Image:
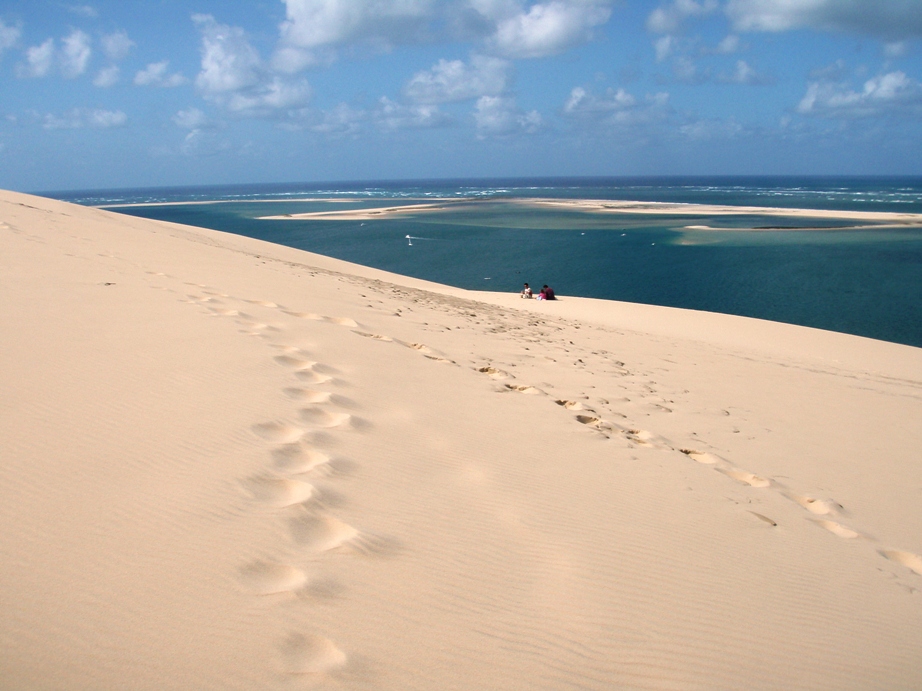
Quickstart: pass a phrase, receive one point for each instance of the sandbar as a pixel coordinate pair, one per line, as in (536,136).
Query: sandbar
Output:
(879,219)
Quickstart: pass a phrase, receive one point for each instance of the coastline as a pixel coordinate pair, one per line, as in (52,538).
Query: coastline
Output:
(250,465)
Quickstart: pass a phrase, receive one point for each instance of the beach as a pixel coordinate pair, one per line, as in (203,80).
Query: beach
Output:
(231,464)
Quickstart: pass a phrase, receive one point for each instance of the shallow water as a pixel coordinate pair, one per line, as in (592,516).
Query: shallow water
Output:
(864,282)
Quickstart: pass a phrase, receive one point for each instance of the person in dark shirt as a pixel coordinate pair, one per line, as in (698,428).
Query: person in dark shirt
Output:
(548,293)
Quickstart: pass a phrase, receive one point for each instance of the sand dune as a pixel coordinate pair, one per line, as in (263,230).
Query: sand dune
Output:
(233,465)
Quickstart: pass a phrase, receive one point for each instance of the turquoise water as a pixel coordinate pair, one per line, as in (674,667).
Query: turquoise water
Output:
(864,282)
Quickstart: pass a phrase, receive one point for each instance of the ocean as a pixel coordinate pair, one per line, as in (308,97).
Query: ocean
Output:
(813,272)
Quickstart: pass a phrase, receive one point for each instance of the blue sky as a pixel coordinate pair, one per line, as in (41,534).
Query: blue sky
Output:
(170,92)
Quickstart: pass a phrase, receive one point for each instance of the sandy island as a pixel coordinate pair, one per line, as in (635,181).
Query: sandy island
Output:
(878,218)
(228,464)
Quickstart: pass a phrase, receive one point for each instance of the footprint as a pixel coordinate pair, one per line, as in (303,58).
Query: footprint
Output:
(321,532)
(570,405)
(311,654)
(908,559)
(254,329)
(640,436)
(838,529)
(312,377)
(318,417)
(700,456)
(745,477)
(267,578)
(342,321)
(278,491)
(290,349)
(442,360)
(494,373)
(304,315)
(308,395)
(416,346)
(278,432)
(297,458)
(294,362)
(377,337)
(594,422)
(262,303)
(531,390)
(819,507)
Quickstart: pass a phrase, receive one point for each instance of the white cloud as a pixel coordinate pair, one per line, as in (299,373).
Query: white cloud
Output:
(202,143)
(890,94)
(499,115)
(888,18)
(730,44)
(69,121)
(80,117)
(616,107)
(703,130)
(453,80)
(315,23)
(72,58)
(106,77)
(896,49)
(229,62)
(9,36)
(291,60)
(395,116)
(234,76)
(117,45)
(686,71)
(581,101)
(276,95)
(545,28)
(84,11)
(340,121)
(106,119)
(745,74)
(155,74)
(669,19)
(831,72)
(39,60)
(75,54)
(664,47)
(508,28)
(191,119)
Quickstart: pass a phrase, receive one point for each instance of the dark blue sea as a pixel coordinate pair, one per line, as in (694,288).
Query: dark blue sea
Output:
(812,272)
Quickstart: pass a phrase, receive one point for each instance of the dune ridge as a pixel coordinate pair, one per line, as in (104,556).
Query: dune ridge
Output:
(229,464)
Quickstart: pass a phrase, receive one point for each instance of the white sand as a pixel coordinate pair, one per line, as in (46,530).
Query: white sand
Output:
(601,206)
(233,465)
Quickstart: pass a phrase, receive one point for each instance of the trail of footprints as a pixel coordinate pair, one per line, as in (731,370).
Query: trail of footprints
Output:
(823,512)
(295,459)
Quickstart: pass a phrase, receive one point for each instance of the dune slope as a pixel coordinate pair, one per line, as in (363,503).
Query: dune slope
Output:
(233,465)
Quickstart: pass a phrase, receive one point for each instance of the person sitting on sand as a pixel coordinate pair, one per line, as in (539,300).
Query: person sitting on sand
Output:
(546,294)
(526,291)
